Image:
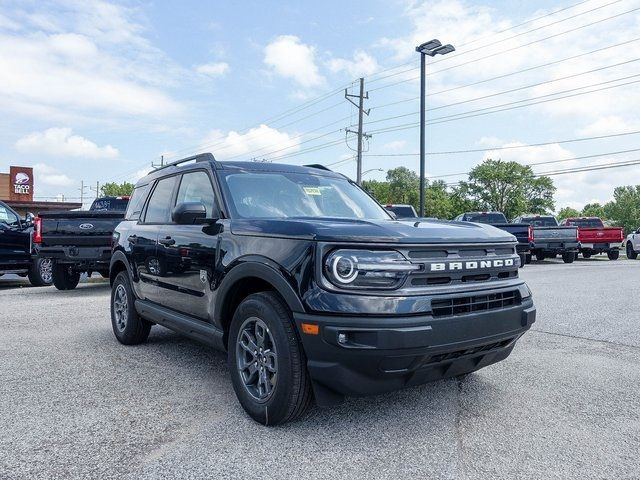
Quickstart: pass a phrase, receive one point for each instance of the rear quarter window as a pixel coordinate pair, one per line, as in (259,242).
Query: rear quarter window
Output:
(136,203)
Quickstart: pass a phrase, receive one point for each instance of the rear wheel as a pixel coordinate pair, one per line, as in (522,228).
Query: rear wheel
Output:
(613,254)
(128,327)
(540,256)
(527,259)
(586,255)
(41,272)
(568,257)
(631,253)
(266,361)
(64,278)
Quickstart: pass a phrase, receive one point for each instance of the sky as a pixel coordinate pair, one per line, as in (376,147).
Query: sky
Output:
(96,91)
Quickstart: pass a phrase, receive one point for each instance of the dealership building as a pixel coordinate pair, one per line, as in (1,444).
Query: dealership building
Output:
(17,191)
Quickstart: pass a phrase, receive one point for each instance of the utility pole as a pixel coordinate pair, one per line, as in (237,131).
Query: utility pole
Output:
(155,165)
(97,189)
(82,187)
(361,112)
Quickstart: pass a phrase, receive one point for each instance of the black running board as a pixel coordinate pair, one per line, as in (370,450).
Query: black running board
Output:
(183,324)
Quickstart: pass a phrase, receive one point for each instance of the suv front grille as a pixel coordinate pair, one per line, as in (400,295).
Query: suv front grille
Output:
(476,303)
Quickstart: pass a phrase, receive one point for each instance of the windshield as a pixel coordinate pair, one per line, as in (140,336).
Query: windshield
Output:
(485,218)
(540,221)
(282,195)
(586,222)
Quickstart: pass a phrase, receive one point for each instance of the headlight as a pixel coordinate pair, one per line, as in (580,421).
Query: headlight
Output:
(367,269)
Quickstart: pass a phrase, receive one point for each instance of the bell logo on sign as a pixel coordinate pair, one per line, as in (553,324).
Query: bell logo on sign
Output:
(21,183)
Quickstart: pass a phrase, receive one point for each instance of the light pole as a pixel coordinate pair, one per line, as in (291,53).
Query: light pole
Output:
(431,48)
(371,170)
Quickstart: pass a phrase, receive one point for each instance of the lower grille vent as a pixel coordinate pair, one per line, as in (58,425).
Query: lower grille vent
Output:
(478,303)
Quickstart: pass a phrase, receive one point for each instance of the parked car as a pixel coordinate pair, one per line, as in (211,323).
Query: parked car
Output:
(632,245)
(16,254)
(79,241)
(521,231)
(549,239)
(309,284)
(595,238)
(402,211)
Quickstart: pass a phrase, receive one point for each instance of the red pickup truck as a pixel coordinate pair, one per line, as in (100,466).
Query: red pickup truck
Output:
(595,238)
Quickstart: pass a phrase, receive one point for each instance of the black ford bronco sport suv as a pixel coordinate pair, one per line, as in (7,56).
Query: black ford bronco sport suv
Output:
(309,284)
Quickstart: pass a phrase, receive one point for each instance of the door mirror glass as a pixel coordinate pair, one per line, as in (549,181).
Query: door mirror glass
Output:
(189,213)
(28,219)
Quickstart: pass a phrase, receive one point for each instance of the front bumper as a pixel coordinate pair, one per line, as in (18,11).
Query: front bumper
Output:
(379,354)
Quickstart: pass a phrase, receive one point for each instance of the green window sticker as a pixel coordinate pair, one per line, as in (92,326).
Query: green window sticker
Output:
(312,191)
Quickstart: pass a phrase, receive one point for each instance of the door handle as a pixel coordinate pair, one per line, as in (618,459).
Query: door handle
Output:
(132,238)
(168,241)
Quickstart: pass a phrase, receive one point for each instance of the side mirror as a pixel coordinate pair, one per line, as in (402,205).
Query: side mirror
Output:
(189,213)
(28,219)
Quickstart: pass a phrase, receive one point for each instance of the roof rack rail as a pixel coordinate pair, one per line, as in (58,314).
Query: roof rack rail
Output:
(201,157)
(318,166)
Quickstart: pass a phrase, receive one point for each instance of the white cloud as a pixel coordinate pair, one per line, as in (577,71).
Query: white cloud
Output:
(60,142)
(90,60)
(362,65)
(255,143)
(608,125)
(290,58)
(395,145)
(215,69)
(48,175)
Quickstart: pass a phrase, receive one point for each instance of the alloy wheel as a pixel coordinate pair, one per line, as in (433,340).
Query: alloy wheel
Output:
(46,270)
(120,308)
(257,359)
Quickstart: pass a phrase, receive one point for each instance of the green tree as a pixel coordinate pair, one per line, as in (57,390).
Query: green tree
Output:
(378,190)
(404,186)
(438,201)
(508,187)
(568,212)
(113,189)
(624,210)
(594,210)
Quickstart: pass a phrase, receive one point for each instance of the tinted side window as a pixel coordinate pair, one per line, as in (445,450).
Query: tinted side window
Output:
(196,187)
(159,207)
(136,203)
(7,216)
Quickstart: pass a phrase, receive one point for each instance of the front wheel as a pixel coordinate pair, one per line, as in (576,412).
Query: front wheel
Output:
(613,254)
(568,257)
(128,327)
(631,253)
(41,272)
(540,256)
(527,258)
(523,259)
(266,361)
(64,278)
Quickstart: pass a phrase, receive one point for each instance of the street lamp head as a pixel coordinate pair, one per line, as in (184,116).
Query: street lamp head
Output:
(443,50)
(427,47)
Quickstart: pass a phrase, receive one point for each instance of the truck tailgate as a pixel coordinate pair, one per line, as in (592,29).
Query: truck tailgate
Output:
(555,234)
(601,235)
(79,228)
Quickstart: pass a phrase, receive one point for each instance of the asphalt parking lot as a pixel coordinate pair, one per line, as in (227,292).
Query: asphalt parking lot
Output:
(566,404)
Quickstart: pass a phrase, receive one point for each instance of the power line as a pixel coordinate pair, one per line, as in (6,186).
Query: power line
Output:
(509,147)
(509,49)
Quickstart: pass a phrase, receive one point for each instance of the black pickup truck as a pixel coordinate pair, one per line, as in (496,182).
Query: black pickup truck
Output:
(79,241)
(521,231)
(549,239)
(16,248)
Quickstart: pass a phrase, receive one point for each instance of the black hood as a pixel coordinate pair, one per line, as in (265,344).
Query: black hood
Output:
(371,231)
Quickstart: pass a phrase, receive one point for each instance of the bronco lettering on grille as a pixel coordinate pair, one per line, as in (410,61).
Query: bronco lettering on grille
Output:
(452,266)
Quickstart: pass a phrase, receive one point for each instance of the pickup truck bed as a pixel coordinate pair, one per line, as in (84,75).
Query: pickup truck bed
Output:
(78,241)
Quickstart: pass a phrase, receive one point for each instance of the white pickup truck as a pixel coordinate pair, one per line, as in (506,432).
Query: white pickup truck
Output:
(633,245)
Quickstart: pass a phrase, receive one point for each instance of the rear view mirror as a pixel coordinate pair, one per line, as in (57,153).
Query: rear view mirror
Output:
(28,219)
(189,213)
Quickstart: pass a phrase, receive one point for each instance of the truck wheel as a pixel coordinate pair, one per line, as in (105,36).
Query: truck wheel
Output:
(128,327)
(631,253)
(613,254)
(41,272)
(586,255)
(64,278)
(527,259)
(266,360)
(540,256)
(523,259)
(568,257)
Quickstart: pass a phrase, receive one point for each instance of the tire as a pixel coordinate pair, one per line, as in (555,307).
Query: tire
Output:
(523,259)
(528,257)
(568,257)
(586,255)
(291,395)
(64,278)
(41,272)
(128,327)
(631,253)
(613,254)
(540,256)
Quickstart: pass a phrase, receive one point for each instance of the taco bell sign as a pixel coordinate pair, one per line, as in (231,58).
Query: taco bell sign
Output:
(21,179)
